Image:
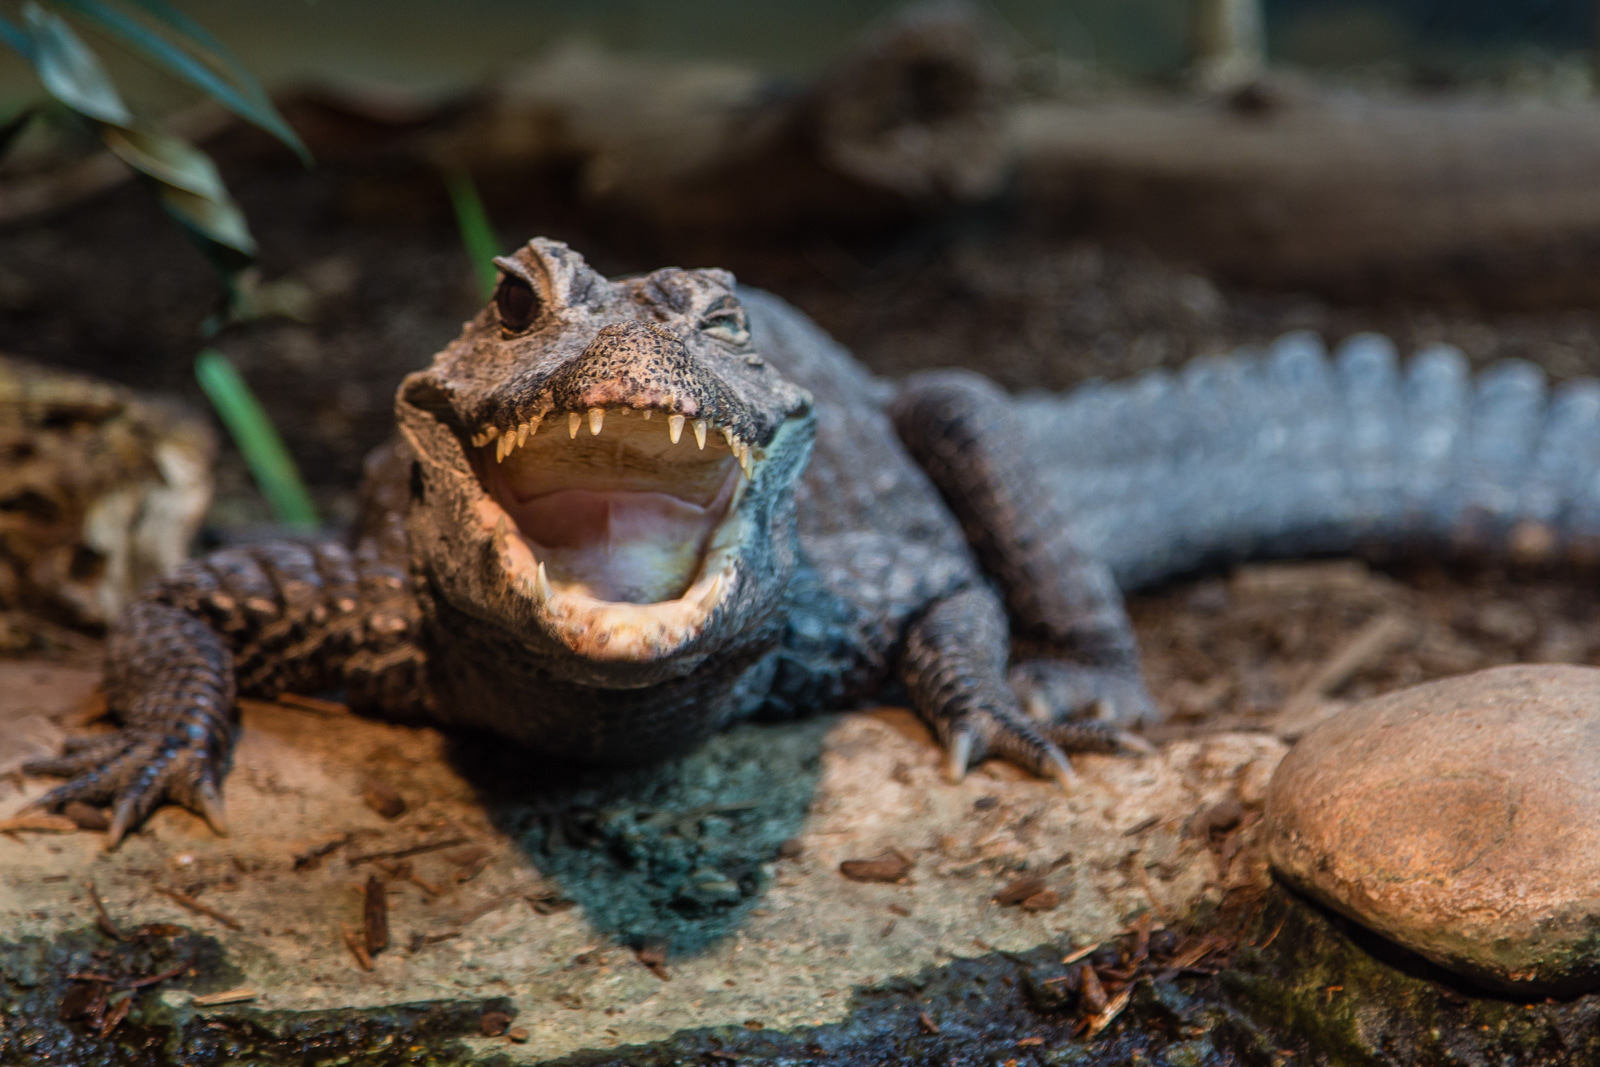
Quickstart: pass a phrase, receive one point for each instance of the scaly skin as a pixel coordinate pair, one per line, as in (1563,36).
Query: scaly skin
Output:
(935,540)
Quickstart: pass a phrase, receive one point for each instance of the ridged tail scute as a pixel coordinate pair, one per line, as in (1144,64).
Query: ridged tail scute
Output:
(1293,451)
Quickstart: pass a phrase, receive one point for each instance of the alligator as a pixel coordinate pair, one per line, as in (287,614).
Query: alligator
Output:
(621,514)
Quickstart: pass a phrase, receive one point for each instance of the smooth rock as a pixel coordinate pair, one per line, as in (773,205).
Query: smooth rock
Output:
(1461,819)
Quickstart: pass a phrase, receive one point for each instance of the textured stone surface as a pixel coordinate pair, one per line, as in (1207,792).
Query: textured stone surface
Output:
(1459,818)
(724,865)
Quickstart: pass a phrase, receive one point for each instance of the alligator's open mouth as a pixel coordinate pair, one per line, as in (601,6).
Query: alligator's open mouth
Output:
(622,523)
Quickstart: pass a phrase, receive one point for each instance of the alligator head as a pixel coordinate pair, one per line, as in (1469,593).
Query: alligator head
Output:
(606,468)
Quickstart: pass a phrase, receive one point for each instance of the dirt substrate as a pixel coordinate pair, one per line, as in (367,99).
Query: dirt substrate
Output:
(690,915)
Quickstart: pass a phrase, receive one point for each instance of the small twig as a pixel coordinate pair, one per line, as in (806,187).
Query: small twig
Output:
(315,705)
(103,917)
(162,977)
(310,861)
(137,983)
(1274,935)
(357,949)
(1376,639)
(403,853)
(225,996)
(1077,954)
(38,822)
(375,915)
(1103,1019)
(185,900)
(405,873)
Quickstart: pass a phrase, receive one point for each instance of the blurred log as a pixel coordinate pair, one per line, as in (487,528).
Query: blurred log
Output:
(1226,42)
(909,122)
(1484,199)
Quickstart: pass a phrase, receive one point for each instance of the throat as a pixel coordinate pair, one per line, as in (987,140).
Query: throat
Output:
(622,546)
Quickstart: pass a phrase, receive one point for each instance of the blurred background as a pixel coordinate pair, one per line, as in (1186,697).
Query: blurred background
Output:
(1046,191)
(401,41)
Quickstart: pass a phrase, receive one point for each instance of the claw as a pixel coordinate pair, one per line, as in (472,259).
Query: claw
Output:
(123,819)
(208,802)
(958,755)
(1057,767)
(1134,743)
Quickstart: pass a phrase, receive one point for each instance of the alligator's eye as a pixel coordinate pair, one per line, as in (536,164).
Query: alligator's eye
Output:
(726,324)
(517,303)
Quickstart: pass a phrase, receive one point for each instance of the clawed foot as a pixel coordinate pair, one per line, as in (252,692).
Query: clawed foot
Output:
(1068,709)
(133,772)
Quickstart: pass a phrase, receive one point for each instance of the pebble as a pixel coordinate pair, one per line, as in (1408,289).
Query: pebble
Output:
(1461,819)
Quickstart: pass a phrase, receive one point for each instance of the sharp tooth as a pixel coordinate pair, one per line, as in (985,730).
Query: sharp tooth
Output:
(675,427)
(522,434)
(733,442)
(597,419)
(744,460)
(533,426)
(574,420)
(503,449)
(541,583)
(647,413)
(479,440)
(700,427)
(708,600)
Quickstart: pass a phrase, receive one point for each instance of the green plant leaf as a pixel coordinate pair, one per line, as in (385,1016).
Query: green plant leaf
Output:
(258,440)
(14,36)
(240,95)
(69,70)
(472,222)
(192,191)
(166,159)
(188,27)
(216,221)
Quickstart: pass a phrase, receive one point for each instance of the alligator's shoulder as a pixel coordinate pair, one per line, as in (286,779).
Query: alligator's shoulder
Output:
(861,479)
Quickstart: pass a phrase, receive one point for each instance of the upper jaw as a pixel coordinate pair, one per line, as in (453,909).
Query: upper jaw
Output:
(677,419)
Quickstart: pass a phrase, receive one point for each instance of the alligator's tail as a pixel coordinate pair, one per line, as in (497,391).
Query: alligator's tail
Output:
(1292,452)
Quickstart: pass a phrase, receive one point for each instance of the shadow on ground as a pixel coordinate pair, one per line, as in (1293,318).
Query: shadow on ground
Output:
(667,858)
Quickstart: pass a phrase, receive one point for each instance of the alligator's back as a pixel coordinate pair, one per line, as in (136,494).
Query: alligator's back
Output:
(1296,452)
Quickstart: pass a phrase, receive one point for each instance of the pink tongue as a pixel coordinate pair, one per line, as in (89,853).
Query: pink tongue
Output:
(637,547)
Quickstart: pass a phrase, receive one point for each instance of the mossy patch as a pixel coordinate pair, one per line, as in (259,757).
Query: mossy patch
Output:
(51,1013)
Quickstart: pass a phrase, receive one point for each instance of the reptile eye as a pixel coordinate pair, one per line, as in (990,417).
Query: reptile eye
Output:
(728,325)
(517,303)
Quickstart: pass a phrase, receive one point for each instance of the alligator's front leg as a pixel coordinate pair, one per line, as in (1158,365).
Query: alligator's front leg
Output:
(256,621)
(1076,656)
(954,666)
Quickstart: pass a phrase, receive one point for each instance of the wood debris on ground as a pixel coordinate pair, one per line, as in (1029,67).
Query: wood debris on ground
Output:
(375,915)
(38,822)
(1099,980)
(891,865)
(652,956)
(103,1000)
(184,900)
